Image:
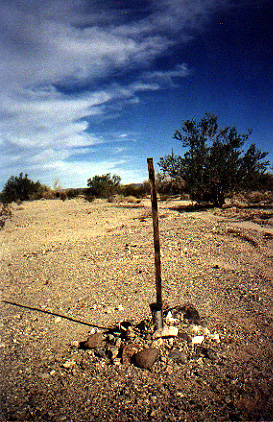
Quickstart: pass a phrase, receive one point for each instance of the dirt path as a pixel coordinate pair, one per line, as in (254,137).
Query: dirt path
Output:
(93,262)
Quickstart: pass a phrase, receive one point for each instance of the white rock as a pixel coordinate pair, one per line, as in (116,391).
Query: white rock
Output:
(57,320)
(166,331)
(69,364)
(215,337)
(199,329)
(158,343)
(197,340)
(93,330)
(170,320)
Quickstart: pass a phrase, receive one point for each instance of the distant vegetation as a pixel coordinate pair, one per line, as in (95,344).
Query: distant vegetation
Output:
(213,168)
(103,186)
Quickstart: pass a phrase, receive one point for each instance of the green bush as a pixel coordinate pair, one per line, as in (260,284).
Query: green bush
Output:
(103,186)
(20,188)
(215,164)
(136,190)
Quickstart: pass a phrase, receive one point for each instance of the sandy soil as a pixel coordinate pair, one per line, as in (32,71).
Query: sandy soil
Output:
(70,266)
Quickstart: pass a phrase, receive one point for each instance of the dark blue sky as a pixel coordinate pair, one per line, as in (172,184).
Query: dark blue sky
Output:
(94,87)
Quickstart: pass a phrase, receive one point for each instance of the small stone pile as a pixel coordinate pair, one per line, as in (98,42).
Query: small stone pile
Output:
(182,338)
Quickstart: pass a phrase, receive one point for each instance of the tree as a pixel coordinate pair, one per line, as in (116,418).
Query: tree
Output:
(103,186)
(19,188)
(214,164)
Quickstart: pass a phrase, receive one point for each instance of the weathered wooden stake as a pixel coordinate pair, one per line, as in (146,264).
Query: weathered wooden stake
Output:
(156,232)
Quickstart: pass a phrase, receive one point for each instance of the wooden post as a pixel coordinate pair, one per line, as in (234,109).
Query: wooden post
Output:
(156,231)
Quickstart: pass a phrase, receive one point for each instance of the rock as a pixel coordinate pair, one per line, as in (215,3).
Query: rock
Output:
(158,343)
(166,331)
(100,353)
(69,364)
(128,352)
(200,329)
(57,320)
(129,333)
(184,336)
(94,341)
(178,355)
(191,314)
(112,351)
(197,340)
(170,320)
(146,358)
(215,337)
(118,342)
(207,353)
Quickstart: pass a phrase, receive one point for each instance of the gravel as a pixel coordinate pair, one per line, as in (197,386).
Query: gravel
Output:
(68,267)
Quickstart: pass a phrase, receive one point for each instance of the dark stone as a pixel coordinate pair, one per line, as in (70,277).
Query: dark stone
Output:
(191,314)
(94,341)
(128,352)
(184,336)
(206,352)
(146,358)
(178,356)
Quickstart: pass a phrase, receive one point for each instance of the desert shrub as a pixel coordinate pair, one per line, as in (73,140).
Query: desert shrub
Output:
(43,192)
(103,186)
(71,193)
(214,163)
(130,199)
(254,197)
(136,190)
(169,186)
(20,188)
(60,195)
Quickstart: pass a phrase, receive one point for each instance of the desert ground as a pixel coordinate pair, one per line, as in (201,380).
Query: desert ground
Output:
(69,268)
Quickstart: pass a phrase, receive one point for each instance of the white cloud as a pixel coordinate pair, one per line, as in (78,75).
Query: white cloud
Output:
(48,48)
(167,76)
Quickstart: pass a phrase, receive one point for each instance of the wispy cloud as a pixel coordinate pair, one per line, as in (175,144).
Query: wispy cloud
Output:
(54,56)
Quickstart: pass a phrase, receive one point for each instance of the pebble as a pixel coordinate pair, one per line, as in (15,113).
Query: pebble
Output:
(57,320)
(158,343)
(207,353)
(215,337)
(170,320)
(128,352)
(93,330)
(68,364)
(146,358)
(113,351)
(166,331)
(197,340)
(94,341)
(199,329)
(178,355)
(184,336)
